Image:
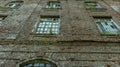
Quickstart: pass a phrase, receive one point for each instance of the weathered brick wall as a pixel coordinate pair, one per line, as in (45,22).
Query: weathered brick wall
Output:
(79,43)
(78,54)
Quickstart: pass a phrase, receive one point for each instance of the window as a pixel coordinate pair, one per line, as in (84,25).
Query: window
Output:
(48,25)
(92,5)
(107,25)
(1,19)
(14,4)
(53,4)
(116,8)
(38,63)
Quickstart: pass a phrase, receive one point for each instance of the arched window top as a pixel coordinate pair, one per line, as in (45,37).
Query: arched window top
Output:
(14,4)
(38,63)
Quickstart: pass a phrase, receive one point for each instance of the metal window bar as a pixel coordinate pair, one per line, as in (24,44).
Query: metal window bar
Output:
(48,26)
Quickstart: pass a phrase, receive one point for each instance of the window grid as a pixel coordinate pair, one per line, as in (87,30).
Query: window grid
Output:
(107,26)
(53,5)
(48,26)
(92,5)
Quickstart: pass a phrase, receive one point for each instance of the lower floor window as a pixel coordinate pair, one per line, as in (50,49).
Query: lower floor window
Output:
(38,63)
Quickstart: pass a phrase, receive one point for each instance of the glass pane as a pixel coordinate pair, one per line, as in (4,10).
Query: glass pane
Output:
(53,5)
(42,65)
(48,65)
(14,4)
(93,5)
(0,21)
(48,25)
(1,18)
(30,65)
(36,65)
(107,25)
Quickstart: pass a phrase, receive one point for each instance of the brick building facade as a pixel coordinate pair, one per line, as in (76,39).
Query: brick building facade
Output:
(60,33)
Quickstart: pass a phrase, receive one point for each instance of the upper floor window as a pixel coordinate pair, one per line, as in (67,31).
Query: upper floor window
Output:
(53,4)
(1,19)
(92,5)
(48,25)
(38,63)
(14,4)
(107,25)
(116,8)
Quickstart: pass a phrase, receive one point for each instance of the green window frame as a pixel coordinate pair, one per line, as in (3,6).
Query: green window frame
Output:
(92,5)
